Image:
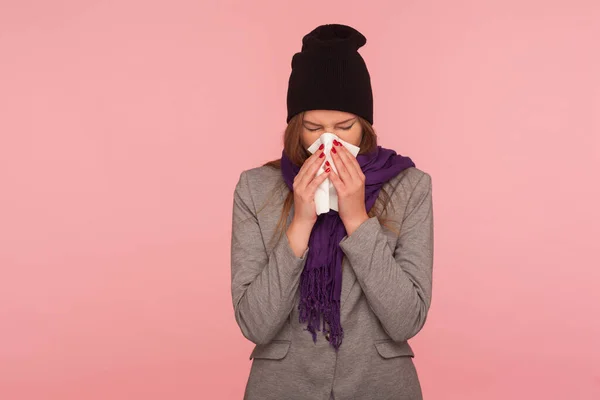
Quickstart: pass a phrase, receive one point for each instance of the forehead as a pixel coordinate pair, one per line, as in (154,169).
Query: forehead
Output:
(327,116)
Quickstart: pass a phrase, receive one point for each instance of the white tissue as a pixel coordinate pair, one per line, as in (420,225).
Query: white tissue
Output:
(326,196)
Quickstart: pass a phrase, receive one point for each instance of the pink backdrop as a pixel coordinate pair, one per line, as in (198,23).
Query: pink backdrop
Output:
(116,184)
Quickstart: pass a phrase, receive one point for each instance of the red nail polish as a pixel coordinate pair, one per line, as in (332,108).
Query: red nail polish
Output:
(333,150)
(328,169)
(321,147)
(327,163)
(336,142)
(321,155)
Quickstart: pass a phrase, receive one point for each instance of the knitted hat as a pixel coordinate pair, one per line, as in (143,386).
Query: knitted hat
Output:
(329,73)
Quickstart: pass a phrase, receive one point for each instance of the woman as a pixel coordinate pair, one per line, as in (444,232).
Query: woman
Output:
(364,270)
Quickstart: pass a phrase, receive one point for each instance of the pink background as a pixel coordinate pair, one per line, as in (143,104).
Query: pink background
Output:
(124,126)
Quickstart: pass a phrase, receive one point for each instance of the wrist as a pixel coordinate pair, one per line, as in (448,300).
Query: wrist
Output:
(298,233)
(353,224)
(302,223)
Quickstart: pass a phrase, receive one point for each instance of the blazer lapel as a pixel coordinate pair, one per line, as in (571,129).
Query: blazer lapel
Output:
(348,281)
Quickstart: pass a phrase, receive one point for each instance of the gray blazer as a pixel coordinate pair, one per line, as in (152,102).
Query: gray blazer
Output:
(386,294)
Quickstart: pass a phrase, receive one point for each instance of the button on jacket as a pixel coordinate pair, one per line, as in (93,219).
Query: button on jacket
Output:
(385,297)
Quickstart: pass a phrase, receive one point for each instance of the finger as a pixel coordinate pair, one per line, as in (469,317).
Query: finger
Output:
(309,168)
(344,155)
(309,175)
(314,169)
(337,182)
(314,184)
(342,170)
(349,160)
(310,160)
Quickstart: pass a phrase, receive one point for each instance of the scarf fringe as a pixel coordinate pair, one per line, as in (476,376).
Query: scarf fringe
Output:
(316,304)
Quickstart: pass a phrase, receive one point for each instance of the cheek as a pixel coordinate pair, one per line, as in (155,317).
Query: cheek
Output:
(355,136)
(309,138)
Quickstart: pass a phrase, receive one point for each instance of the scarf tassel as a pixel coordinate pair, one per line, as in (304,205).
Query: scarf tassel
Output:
(315,303)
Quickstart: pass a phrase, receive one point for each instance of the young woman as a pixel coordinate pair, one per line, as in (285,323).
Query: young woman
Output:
(330,300)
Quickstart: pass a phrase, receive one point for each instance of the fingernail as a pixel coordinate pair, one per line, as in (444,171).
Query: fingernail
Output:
(336,142)
(321,146)
(327,163)
(333,150)
(328,169)
(321,155)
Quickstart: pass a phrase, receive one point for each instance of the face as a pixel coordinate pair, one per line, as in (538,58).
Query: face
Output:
(345,125)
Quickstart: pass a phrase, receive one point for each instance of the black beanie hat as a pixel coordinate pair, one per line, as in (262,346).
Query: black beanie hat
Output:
(330,74)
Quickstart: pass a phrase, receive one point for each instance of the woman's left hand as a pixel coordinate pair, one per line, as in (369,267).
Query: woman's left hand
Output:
(349,183)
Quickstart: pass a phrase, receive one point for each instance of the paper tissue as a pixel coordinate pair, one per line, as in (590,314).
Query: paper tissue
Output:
(326,196)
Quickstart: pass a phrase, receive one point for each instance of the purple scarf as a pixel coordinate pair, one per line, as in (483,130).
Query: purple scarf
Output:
(321,279)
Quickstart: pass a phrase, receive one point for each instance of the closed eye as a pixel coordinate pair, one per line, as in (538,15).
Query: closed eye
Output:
(344,128)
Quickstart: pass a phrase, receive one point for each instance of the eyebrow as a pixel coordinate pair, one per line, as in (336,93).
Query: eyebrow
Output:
(339,123)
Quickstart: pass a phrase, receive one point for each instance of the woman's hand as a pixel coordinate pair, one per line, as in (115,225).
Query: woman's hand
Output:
(350,187)
(304,187)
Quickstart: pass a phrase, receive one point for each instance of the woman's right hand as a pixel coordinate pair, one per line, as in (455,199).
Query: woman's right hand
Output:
(305,185)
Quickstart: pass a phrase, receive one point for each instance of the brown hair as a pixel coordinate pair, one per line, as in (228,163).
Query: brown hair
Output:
(294,149)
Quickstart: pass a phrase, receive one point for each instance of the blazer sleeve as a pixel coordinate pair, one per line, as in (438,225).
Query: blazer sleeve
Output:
(397,282)
(263,286)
